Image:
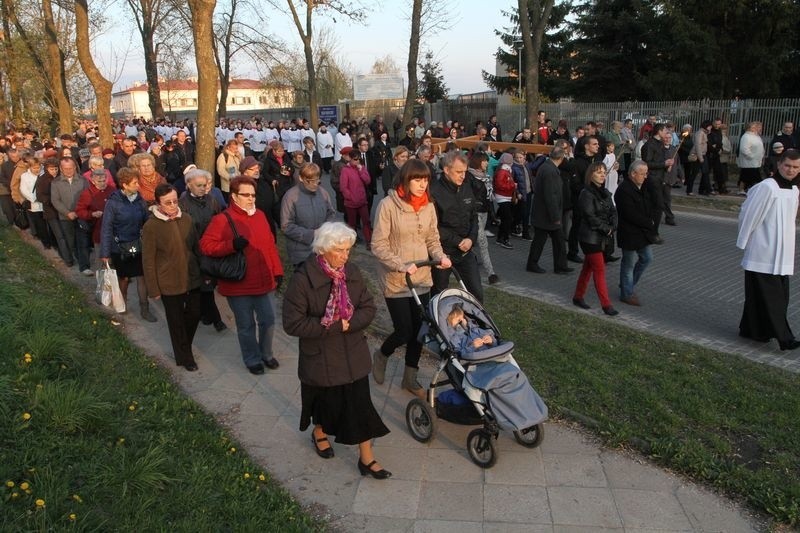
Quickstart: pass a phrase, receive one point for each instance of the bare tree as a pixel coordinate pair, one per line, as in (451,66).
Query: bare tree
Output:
(12,74)
(202,12)
(385,65)
(426,16)
(102,87)
(305,31)
(533,17)
(56,69)
(150,16)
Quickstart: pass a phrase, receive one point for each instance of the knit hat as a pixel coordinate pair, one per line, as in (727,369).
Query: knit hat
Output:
(108,151)
(506,159)
(777,146)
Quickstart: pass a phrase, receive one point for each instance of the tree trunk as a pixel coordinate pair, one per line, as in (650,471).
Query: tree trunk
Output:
(308,51)
(413,58)
(532,44)
(151,72)
(102,87)
(9,66)
(55,67)
(203,31)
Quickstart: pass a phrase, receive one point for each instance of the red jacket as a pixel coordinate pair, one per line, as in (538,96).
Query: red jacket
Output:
(504,184)
(353,185)
(263,262)
(91,200)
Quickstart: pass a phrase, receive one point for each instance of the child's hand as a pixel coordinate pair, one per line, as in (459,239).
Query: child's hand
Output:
(487,339)
(477,343)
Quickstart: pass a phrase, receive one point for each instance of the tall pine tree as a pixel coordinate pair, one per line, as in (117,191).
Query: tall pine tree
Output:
(431,84)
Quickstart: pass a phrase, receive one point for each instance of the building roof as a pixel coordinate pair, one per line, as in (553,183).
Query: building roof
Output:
(191,85)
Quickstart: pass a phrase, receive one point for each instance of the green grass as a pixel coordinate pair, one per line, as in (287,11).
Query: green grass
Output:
(718,418)
(97,431)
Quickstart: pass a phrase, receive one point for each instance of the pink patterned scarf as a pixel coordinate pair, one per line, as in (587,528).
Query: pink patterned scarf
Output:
(339,306)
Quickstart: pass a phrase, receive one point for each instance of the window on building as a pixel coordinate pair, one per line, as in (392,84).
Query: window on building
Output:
(262,99)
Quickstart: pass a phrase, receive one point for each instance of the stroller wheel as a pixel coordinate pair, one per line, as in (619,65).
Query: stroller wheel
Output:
(420,420)
(530,437)
(481,447)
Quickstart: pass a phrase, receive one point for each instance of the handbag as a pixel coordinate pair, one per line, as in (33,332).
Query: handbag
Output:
(129,249)
(21,217)
(85,225)
(692,157)
(107,291)
(231,267)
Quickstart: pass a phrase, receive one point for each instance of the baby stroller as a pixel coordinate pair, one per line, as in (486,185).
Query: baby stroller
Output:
(495,393)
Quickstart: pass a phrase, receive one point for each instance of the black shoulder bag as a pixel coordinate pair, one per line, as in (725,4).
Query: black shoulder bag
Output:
(231,267)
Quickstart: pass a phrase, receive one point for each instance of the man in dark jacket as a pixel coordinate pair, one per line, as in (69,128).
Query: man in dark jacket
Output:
(654,153)
(548,208)
(128,148)
(714,153)
(636,230)
(457,213)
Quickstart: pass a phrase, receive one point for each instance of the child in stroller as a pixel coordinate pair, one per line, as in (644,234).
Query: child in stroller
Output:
(480,367)
(467,335)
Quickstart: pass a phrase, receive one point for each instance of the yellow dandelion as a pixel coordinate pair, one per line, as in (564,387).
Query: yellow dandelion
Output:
(39,502)
(73,517)
(131,407)
(121,440)
(27,358)
(24,485)
(94,322)
(9,483)
(26,416)
(63,367)
(39,386)
(233,450)
(77,498)
(262,477)
(247,475)
(28,491)
(14,495)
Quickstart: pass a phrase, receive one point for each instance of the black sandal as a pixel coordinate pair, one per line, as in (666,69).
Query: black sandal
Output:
(327,453)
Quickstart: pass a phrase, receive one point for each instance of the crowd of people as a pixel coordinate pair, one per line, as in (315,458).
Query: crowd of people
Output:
(146,210)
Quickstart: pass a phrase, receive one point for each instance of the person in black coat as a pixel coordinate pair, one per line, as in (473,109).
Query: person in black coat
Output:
(654,154)
(310,154)
(635,231)
(598,222)
(548,210)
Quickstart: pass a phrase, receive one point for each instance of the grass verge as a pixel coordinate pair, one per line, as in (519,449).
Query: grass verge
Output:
(94,435)
(718,418)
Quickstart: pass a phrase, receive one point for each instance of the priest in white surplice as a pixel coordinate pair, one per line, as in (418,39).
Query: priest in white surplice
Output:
(767,236)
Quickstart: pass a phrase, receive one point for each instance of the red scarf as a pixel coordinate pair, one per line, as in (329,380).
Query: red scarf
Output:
(417,202)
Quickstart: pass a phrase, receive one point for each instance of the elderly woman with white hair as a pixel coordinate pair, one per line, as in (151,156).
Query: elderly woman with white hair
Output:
(328,306)
(198,202)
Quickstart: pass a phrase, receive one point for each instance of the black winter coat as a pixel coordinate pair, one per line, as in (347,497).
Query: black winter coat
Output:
(457,212)
(548,197)
(635,228)
(655,155)
(598,215)
(328,357)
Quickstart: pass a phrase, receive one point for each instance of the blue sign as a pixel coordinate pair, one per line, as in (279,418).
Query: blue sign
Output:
(329,114)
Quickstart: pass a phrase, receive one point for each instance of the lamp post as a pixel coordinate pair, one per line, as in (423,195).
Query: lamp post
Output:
(518,45)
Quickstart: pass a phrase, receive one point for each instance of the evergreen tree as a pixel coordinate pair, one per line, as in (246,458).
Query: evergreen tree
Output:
(431,85)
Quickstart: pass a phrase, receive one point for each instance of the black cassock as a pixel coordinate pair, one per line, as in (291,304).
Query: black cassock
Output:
(766,300)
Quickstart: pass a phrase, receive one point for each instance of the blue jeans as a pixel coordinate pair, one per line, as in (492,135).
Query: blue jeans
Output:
(251,312)
(629,273)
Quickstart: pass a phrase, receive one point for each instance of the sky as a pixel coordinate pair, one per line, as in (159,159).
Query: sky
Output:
(464,47)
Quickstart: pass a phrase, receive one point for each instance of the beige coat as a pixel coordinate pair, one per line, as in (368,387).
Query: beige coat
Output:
(700,147)
(16,180)
(225,162)
(401,237)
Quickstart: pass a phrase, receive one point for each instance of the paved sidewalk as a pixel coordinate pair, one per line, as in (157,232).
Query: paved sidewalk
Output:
(568,484)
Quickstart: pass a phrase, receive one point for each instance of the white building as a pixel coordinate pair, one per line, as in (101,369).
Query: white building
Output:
(181,95)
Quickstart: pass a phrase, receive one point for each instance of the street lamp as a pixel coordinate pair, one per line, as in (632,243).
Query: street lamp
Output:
(518,45)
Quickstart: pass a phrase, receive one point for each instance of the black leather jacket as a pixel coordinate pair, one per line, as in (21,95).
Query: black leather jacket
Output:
(598,215)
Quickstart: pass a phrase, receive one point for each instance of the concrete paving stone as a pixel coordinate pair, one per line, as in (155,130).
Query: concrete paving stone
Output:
(561,439)
(393,498)
(650,509)
(647,530)
(399,436)
(445,526)
(256,403)
(582,506)
(235,381)
(625,471)
(356,522)
(505,527)
(219,402)
(514,503)
(402,463)
(581,529)
(452,466)
(709,513)
(256,430)
(518,468)
(325,489)
(451,501)
(574,470)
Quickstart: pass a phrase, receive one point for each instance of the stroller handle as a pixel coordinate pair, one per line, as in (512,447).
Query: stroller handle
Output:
(420,264)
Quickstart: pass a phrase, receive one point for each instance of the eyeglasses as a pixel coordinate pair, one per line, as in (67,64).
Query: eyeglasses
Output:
(169,202)
(245,194)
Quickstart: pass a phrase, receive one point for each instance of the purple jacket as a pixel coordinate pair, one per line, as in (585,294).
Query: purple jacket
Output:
(353,185)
